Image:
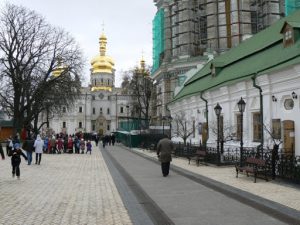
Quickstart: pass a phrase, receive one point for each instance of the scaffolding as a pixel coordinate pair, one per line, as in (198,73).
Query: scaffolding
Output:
(158,39)
(291,6)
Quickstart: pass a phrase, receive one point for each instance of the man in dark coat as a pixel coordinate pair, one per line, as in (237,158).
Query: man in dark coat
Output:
(164,151)
(28,147)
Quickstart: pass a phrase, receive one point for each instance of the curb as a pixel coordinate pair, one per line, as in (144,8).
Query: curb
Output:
(276,210)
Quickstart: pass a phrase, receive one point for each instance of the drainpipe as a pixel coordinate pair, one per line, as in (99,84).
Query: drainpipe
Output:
(261,110)
(206,115)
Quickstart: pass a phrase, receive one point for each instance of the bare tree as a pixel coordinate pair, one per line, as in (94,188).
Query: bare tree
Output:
(227,131)
(30,51)
(184,128)
(139,85)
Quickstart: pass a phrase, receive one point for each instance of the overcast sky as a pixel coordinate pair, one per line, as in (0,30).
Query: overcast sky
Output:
(128,27)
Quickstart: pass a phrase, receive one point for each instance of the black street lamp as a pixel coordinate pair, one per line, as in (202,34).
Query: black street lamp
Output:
(129,133)
(127,109)
(218,110)
(241,104)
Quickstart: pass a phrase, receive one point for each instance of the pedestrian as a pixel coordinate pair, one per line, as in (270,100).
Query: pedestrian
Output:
(76,144)
(89,147)
(70,144)
(103,141)
(65,143)
(96,139)
(9,145)
(38,145)
(59,145)
(15,154)
(82,146)
(28,147)
(16,139)
(52,142)
(2,152)
(164,150)
(46,141)
(113,139)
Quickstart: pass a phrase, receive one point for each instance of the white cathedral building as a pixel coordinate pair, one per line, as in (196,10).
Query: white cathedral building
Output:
(101,105)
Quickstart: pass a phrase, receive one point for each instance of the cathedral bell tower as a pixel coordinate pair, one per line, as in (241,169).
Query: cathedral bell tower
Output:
(102,70)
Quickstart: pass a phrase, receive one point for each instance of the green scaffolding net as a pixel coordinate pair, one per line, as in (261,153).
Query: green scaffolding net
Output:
(291,6)
(158,38)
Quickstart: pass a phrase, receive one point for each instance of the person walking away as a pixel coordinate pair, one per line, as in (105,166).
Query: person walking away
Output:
(82,146)
(96,139)
(103,141)
(15,154)
(38,145)
(164,149)
(28,147)
(89,147)
(113,139)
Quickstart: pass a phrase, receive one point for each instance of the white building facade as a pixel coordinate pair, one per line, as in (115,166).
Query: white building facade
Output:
(101,105)
(265,72)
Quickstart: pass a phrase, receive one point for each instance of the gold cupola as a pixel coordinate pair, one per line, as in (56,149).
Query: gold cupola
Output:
(143,64)
(102,63)
(59,69)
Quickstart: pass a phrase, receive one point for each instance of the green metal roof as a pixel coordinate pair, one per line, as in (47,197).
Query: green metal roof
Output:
(263,53)
(6,123)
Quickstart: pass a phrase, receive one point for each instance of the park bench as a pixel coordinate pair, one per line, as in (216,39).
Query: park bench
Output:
(254,166)
(198,156)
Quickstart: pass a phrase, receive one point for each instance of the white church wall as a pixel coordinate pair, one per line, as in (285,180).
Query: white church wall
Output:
(281,84)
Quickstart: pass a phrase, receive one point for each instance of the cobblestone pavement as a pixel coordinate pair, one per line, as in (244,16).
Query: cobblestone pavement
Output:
(64,189)
(273,190)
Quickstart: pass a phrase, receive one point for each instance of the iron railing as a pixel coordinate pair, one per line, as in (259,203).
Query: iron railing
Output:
(280,163)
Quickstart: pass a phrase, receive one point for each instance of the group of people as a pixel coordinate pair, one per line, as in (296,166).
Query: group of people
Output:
(67,144)
(60,145)
(108,140)
(53,144)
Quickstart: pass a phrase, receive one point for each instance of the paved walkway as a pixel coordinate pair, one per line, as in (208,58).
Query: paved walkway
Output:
(65,189)
(88,189)
(186,197)
(274,190)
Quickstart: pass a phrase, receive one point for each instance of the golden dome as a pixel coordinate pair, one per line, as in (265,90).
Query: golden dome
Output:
(58,70)
(102,63)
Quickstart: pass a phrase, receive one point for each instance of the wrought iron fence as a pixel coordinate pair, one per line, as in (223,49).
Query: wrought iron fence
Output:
(280,163)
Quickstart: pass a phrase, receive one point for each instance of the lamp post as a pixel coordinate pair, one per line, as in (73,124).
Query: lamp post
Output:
(218,110)
(241,104)
(127,108)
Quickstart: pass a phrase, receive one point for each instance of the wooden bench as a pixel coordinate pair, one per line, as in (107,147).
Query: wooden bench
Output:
(198,156)
(254,166)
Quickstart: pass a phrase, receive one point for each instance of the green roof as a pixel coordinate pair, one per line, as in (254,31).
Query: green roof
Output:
(6,123)
(263,53)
